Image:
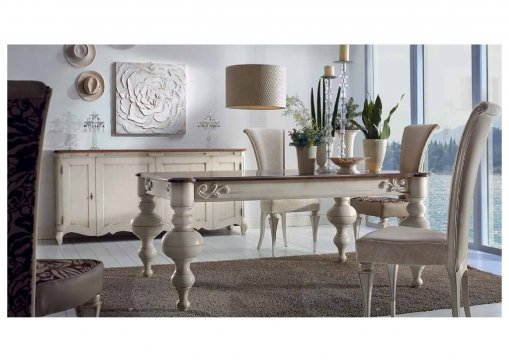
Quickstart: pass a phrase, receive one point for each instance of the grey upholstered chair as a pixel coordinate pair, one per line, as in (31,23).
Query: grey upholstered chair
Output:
(269,149)
(413,146)
(38,287)
(397,245)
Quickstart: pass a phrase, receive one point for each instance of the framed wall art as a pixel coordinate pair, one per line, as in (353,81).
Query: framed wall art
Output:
(150,99)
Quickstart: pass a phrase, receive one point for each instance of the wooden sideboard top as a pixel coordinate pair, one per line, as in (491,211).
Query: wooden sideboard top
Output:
(148,150)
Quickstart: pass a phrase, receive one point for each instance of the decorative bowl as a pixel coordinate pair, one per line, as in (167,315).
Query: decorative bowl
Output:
(347,165)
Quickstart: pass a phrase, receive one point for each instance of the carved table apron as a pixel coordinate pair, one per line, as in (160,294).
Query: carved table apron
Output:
(183,189)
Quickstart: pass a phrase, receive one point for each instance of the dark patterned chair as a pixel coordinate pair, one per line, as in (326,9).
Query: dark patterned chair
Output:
(38,287)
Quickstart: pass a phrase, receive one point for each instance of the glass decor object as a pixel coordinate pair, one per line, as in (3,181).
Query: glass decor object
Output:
(342,113)
(209,123)
(329,139)
(93,125)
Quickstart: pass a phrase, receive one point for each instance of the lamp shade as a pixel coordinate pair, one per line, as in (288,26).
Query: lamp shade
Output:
(256,87)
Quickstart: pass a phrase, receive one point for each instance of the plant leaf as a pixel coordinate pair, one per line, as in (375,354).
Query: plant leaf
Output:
(313,114)
(335,111)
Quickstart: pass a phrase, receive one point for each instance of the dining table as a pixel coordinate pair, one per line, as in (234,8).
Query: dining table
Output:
(183,243)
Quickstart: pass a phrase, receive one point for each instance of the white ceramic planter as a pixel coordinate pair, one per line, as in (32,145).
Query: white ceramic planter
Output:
(321,156)
(349,142)
(306,156)
(374,151)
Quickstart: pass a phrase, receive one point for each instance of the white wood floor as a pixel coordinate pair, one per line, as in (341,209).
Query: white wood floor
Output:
(121,251)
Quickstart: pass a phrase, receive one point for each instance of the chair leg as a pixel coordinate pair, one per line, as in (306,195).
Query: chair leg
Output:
(455,285)
(366,280)
(283,225)
(273,229)
(357,227)
(91,308)
(464,293)
(263,215)
(392,271)
(383,223)
(315,219)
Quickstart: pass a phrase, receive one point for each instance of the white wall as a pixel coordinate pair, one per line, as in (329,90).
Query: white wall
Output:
(205,93)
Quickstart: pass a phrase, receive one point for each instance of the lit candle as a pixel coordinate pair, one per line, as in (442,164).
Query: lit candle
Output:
(328,70)
(344,53)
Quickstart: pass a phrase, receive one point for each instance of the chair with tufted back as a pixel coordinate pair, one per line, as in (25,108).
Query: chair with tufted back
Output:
(38,287)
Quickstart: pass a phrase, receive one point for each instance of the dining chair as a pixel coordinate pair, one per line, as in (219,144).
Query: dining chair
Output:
(399,245)
(269,149)
(413,146)
(38,287)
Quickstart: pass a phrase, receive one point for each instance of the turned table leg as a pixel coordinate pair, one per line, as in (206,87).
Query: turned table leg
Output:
(342,216)
(418,187)
(146,226)
(183,243)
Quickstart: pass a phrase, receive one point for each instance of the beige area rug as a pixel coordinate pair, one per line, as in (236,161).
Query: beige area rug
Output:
(297,286)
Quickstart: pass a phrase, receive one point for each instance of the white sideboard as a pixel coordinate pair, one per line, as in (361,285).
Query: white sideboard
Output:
(95,189)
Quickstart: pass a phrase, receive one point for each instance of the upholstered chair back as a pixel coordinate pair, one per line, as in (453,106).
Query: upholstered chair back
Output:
(269,147)
(413,147)
(470,150)
(27,105)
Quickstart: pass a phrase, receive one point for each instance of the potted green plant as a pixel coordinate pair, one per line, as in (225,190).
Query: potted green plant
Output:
(351,130)
(376,132)
(318,118)
(305,141)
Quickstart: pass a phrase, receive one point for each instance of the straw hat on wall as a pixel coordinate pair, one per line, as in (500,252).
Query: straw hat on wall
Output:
(90,85)
(79,55)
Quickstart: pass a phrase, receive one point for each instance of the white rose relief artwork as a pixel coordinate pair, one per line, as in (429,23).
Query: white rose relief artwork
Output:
(150,99)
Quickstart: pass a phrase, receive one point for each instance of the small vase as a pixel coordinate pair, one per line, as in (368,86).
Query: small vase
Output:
(374,151)
(321,157)
(306,156)
(349,142)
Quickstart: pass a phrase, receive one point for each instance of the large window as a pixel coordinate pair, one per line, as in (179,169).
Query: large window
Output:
(445,81)
(391,80)
(448,103)
(494,62)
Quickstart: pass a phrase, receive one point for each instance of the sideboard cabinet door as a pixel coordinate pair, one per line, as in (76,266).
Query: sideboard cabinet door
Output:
(202,212)
(117,200)
(78,196)
(230,212)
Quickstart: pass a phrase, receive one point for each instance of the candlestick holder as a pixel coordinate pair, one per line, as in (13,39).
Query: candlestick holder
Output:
(342,118)
(329,130)
(209,123)
(93,125)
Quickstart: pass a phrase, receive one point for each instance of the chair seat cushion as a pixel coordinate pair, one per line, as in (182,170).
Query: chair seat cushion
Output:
(290,205)
(380,206)
(62,284)
(403,245)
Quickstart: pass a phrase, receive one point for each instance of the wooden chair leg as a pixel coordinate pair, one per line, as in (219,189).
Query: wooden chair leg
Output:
(392,271)
(357,227)
(366,280)
(273,230)
(263,215)
(283,225)
(464,293)
(315,219)
(91,308)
